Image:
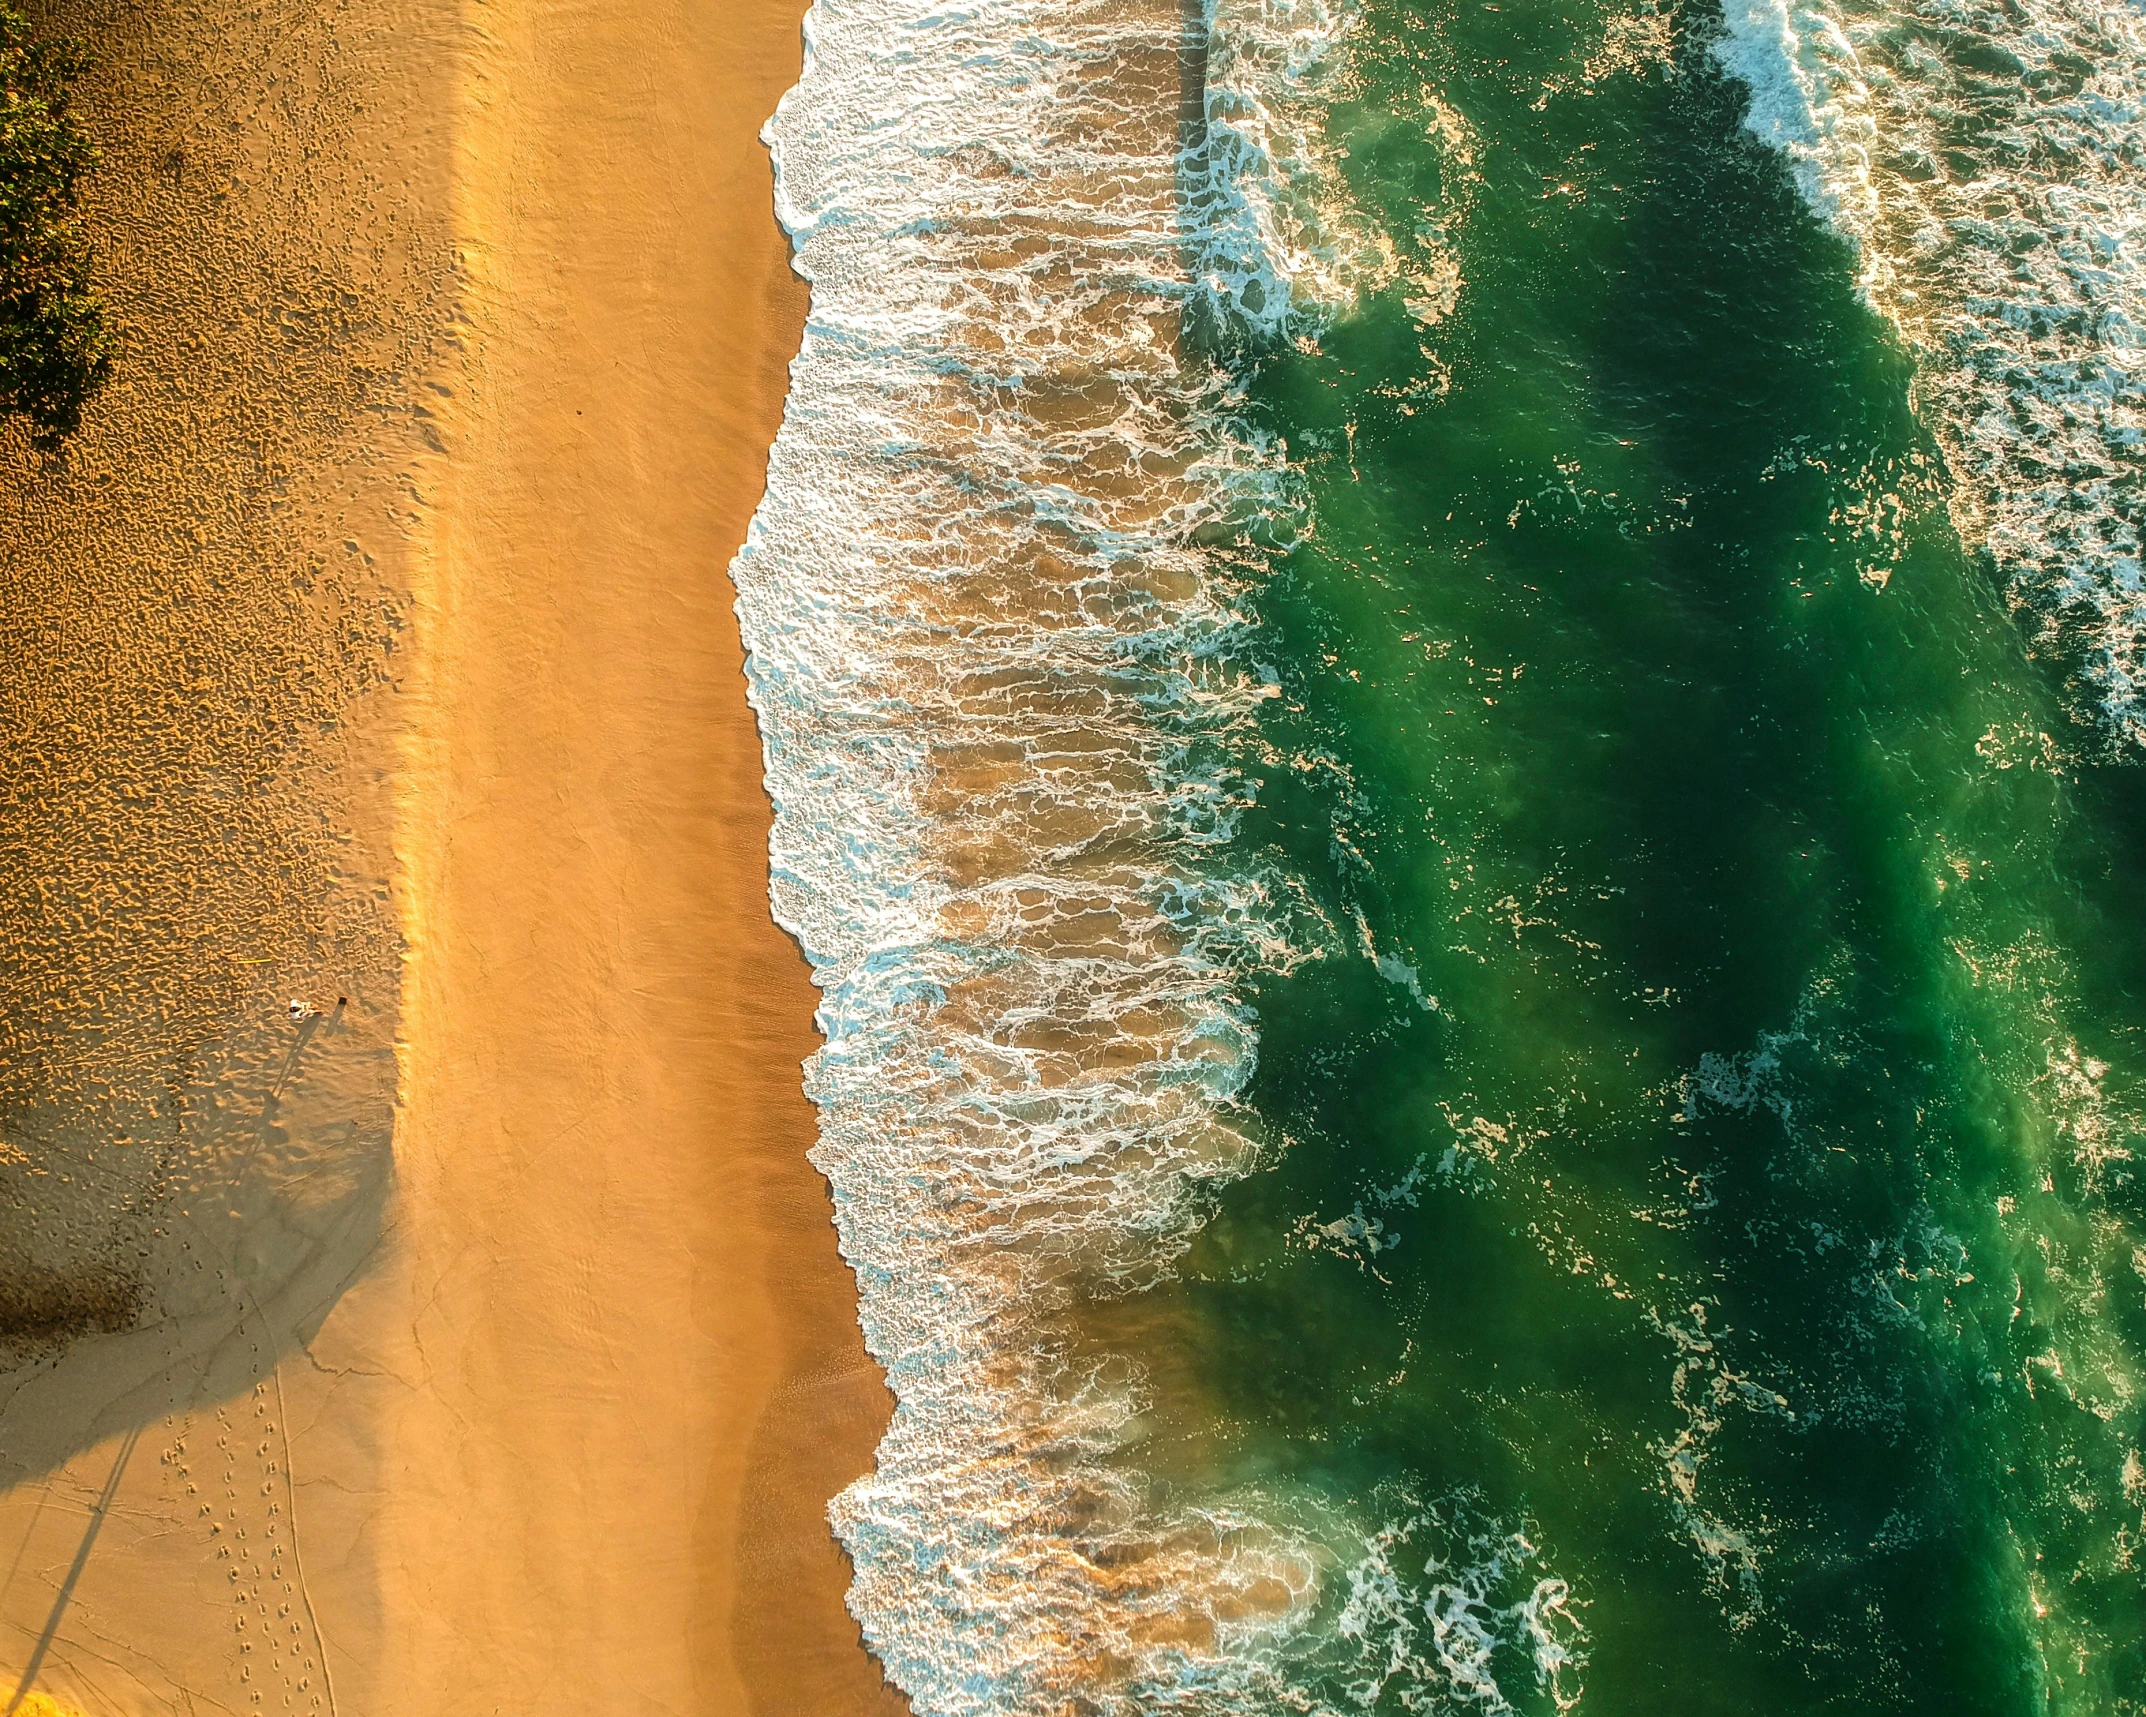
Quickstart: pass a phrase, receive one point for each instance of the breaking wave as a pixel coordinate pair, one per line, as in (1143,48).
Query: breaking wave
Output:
(993,609)
(1988,160)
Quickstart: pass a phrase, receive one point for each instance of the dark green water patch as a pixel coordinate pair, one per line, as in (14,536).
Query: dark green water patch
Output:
(1708,1178)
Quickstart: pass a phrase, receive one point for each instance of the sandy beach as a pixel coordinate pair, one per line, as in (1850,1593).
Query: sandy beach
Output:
(480,1343)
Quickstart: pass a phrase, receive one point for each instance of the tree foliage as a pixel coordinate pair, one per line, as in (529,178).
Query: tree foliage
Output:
(54,346)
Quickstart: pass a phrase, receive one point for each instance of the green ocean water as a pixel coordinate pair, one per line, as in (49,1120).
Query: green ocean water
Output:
(1700,1261)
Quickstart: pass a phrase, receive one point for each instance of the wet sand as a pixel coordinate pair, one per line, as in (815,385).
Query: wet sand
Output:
(481,1345)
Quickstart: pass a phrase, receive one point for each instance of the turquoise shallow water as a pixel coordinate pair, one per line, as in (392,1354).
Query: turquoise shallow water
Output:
(1700,1261)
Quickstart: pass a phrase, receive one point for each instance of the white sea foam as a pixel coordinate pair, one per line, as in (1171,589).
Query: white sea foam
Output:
(1988,160)
(1437,1598)
(992,608)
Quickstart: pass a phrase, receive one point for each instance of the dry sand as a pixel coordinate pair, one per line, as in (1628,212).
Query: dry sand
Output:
(481,1346)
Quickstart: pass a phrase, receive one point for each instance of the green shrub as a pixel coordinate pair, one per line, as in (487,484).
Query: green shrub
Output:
(54,347)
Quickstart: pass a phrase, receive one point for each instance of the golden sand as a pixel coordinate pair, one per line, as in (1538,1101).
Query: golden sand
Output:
(480,1343)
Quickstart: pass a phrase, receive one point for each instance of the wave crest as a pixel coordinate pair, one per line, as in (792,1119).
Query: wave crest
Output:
(1988,161)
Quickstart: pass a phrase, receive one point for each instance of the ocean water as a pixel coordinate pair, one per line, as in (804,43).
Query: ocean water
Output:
(1452,697)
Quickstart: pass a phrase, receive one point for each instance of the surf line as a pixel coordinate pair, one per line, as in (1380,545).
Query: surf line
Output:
(2007,256)
(998,652)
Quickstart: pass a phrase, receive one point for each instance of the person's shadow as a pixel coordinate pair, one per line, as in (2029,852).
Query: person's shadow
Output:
(98,1510)
(184,1271)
